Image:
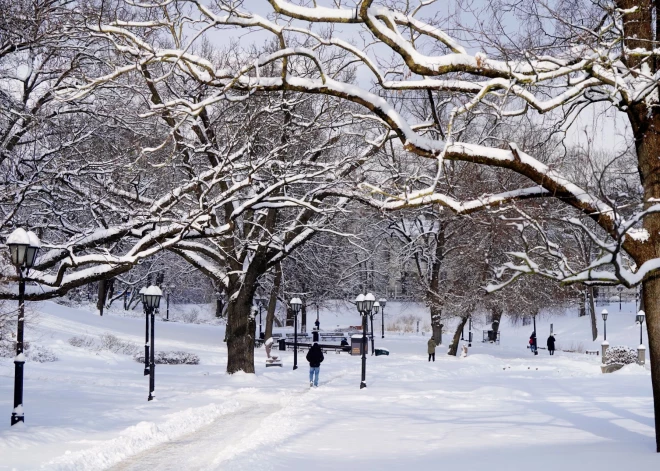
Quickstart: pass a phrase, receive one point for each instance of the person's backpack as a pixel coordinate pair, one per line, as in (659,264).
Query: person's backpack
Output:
(531,341)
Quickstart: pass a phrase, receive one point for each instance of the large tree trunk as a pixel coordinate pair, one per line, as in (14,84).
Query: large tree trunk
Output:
(100,303)
(272,302)
(453,347)
(592,312)
(651,292)
(240,334)
(496,312)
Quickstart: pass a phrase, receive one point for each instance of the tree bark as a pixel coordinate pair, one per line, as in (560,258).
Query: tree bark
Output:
(496,311)
(240,334)
(592,312)
(272,302)
(100,303)
(582,304)
(651,290)
(453,347)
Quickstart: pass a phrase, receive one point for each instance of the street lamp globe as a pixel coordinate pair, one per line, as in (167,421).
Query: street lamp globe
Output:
(151,296)
(376,307)
(141,293)
(640,317)
(296,304)
(382,302)
(33,248)
(359,302)
(604,314)
(369,301)
(18,242)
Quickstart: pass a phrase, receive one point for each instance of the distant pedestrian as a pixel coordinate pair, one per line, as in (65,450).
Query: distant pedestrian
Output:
(431,348)
(317,324)
(532,343)
(315,358)
(551,344)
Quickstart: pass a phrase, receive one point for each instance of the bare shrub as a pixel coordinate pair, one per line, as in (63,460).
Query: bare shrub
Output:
(191,316)
(171,358)
(116,345)
(406,324)
(573,347)
(620,355)
(81,341)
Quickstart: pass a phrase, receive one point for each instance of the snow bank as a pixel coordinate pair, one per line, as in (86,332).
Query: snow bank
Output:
(140,437)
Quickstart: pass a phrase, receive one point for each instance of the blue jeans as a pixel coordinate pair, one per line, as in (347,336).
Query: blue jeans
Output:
(314,374)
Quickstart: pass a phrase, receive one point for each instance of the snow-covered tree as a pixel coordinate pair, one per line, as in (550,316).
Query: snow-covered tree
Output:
(571,55)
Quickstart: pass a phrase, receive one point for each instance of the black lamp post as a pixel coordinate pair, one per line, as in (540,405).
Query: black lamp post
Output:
(146,331)
(620,289)
(604,314)
(169,291)
(23,248)
(296,304)
(260,303)
(375,311)
(151,299)
(364,304)
(640,319)
(382,302)
(359,304)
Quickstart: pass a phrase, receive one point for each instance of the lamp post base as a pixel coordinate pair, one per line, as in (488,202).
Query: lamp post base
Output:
(295,367)
(15,419)
(146,372)
(363,385)
(150,398)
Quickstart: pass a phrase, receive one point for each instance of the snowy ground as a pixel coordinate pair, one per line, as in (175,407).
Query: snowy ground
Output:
(499,408)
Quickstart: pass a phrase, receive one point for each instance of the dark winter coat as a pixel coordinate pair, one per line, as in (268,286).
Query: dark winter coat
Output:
(551,342)
(533,339)
(315,356)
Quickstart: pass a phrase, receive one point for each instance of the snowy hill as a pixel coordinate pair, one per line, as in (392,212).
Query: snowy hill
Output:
(88,410)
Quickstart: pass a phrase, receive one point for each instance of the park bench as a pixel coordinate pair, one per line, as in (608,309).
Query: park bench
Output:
(592,352)
(300,335)
(325,347)
(331,335)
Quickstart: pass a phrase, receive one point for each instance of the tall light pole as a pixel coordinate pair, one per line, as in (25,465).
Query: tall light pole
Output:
(23,248)
(364,304)
(359,304)
(640,320)
(296,304)
(382,302)
(169,291)
(146,331)
(151,299)
(604,314)
(260,303)
(376,308)
(620,289)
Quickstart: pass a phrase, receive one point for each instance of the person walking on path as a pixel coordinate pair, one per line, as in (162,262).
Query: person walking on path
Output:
(551,344)
(315,358)
(431,349)
(532,343)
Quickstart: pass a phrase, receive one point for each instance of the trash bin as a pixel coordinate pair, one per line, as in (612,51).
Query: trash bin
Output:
(282,344)
(356,343)
(381,351)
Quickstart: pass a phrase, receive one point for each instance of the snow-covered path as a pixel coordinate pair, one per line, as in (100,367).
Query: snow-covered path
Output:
(499,408)
(210,445)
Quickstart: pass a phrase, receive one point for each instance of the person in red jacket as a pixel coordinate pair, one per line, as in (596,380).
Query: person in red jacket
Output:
(315,358)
